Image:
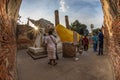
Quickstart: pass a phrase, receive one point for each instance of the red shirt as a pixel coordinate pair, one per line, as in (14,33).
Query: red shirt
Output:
(85,40)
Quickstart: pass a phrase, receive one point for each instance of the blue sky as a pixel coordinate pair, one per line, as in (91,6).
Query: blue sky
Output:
(86,11)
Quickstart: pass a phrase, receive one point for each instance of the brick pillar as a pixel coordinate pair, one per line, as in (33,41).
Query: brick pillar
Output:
(9,10)
(67,22)
(112,33)
(56,18)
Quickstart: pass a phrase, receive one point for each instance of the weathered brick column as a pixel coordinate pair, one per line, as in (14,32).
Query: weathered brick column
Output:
(67,22)
(111,10)
(8,17)
(57,17)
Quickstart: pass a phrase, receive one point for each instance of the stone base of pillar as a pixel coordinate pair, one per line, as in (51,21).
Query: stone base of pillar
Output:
(69,50)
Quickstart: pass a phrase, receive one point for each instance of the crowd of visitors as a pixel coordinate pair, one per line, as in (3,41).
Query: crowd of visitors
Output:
(51,45)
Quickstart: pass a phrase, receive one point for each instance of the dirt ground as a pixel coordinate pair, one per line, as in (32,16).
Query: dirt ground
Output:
(88,67)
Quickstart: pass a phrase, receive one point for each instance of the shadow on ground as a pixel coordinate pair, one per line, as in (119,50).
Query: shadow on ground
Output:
(88,67)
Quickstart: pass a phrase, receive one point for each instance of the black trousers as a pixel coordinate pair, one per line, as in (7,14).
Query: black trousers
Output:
(56,53)
(85,47)
(100,48)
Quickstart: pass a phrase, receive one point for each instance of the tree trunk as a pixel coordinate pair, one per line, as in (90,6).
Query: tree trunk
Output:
(8,17)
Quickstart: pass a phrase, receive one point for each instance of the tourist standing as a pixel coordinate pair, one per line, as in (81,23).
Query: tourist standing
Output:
(85,43)
(95,42)
(100,37)
(51,49)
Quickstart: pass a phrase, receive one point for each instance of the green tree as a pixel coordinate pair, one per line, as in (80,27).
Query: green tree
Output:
(95,31)
(80,28)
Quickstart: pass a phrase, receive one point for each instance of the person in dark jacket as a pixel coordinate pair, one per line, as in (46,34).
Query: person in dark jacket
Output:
(101,40)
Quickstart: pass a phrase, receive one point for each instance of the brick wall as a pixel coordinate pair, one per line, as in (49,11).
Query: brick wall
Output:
(111,10)
(8,17)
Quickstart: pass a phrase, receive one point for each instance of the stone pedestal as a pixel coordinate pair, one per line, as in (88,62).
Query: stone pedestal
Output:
(36,51)
(69,50)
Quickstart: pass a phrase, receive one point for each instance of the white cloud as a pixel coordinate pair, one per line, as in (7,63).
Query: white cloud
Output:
(85,18)
(89,0)
(86,15)
(63,6)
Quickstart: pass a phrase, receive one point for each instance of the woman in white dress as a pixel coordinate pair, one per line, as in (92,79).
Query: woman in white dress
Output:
(51,49)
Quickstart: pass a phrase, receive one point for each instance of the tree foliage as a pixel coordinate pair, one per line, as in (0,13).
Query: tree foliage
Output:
(95,31)
(80,28)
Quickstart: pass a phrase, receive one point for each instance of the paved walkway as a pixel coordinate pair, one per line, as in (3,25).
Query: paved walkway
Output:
(88,67)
